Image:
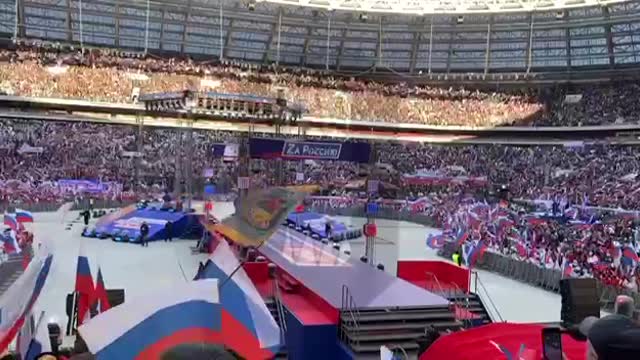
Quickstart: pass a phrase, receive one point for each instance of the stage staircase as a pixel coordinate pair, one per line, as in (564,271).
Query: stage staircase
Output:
(365,330)
(277,310)
(467,301)
(10,270)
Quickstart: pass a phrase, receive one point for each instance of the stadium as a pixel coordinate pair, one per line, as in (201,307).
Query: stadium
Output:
(319,179)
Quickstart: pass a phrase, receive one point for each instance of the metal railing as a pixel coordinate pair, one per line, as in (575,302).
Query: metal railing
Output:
(350,308)
(455,295)
(493,312)
(277,298)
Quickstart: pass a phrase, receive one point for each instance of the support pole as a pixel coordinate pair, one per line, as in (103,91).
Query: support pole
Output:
(221,30)
(146,29)
(81,33)
(140,143)
(279,33)
(372,191)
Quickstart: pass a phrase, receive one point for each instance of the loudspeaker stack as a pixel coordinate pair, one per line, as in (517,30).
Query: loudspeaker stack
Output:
(579,300)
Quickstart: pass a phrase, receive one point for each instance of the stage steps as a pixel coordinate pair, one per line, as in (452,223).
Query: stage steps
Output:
(365,330)
(273,309)
(472,302)
(10,271)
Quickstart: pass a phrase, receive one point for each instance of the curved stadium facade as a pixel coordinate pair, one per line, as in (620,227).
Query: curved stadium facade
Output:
(412,38)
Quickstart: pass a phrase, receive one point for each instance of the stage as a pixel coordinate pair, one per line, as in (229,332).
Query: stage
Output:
(317,222)
(324,271)
(125,223)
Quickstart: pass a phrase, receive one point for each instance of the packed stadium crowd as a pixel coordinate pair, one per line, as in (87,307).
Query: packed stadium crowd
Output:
(38,152)
(51,70)
(111,76)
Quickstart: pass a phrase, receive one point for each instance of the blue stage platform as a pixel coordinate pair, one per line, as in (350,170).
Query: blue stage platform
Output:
(317,221)
(128,223)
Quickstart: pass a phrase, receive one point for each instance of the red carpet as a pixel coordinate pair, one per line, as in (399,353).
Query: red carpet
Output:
(484,342)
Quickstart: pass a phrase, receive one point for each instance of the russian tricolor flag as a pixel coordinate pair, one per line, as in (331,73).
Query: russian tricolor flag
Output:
(258,334)
(100,297)
(630,253)
(10,243)
(24,216)
(11,222)
(84,286)
(474,253)
(146,327)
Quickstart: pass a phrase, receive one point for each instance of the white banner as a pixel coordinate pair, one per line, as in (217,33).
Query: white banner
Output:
(131,154)
(28,149)
(243,183)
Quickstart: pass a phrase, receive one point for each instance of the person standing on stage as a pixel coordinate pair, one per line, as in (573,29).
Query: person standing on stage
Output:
(144,231)
(168,231)
(86,215)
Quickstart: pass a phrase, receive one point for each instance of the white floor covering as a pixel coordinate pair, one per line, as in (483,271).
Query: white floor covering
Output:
(139,270)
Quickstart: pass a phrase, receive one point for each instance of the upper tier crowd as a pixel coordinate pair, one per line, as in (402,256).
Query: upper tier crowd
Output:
(46,70)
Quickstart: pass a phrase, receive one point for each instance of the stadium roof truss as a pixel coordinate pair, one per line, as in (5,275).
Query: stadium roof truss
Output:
(563,36)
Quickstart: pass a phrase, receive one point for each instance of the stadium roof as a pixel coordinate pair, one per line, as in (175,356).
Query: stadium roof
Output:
(427,7)
(570,41)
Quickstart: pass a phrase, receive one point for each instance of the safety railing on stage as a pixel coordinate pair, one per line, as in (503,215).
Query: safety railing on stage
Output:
(454,294)
(481,291)
(277,298)
(350,309)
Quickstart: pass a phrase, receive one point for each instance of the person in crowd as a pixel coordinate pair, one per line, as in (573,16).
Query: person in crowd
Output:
(144,234)
(457,257)
(168,231)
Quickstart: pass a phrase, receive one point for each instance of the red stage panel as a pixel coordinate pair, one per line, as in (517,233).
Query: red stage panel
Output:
(416,272)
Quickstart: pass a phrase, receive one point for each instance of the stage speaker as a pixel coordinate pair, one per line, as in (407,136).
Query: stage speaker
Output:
(579,300)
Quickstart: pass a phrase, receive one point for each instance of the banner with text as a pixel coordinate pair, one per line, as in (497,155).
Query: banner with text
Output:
(314,150)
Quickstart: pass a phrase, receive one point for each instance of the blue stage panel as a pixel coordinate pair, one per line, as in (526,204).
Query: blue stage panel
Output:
(310,342)
(318,225)
(130,223)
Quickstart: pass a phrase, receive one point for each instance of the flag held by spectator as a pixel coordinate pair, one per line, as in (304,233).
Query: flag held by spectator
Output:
(435,241)
(101,299)
(84,286)
(461,236)
(24,216)
(567,269)
(241,300)
(11,222)
(629,253)
(10,243)
(146,327)
(474,252)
